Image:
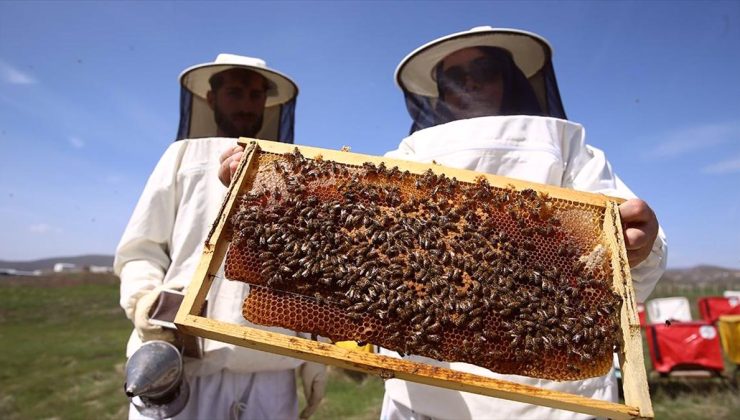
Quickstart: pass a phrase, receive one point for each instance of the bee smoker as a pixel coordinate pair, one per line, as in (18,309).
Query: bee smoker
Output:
(155,381)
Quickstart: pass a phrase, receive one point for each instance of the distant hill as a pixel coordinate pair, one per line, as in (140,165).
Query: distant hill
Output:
(48,263)
(702,274)
(706,274)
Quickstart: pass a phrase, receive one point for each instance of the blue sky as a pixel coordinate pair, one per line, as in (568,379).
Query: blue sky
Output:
(89,99)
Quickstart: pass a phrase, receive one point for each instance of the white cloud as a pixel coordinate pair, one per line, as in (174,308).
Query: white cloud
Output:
(43,229)
(114,179)
(696,138)
(723,167)
(40,228)
(11,75)
(76,142)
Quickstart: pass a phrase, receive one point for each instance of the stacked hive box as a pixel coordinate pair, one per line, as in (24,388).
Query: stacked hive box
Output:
(511,280)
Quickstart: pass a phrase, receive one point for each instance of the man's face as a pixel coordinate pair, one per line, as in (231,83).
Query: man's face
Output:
(238,104)
(470,84)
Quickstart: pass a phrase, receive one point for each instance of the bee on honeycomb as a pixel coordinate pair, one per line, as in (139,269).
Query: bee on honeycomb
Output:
(426,265)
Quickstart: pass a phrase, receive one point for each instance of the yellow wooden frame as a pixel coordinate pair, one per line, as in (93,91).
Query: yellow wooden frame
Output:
(637,398)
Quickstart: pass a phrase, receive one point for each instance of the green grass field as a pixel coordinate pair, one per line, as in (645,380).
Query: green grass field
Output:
(62,344)
(62,352)
(61,356)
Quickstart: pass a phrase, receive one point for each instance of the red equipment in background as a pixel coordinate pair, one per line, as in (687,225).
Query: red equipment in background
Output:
(684,346)
(642,314)
(675,308)
(712,307)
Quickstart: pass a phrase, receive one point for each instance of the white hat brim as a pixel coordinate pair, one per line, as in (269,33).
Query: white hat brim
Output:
(415,73)
(195,79)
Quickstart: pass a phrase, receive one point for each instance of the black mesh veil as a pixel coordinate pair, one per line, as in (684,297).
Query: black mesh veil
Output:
(529,91)
(196,119)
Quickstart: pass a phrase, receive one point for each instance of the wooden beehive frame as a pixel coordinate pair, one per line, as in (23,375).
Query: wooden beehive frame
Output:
(637,398)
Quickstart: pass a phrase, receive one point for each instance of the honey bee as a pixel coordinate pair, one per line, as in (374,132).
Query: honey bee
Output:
(475,323)
(435,328)
(358,307)
(434,338)
(354,316)
(586,357)
(559,341)
(460,320)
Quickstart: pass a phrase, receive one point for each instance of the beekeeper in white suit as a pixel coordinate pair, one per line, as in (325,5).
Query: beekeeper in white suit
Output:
(487,100)
(160,248)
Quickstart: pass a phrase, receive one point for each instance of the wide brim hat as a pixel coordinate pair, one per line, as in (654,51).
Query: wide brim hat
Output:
(415,73)
(196,78)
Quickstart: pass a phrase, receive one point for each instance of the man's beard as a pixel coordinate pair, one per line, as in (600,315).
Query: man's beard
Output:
(229,129)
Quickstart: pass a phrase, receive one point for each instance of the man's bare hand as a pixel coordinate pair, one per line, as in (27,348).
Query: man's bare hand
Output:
(640,229)
(229,162)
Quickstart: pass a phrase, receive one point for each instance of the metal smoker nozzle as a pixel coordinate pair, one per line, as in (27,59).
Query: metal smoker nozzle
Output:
(154,380)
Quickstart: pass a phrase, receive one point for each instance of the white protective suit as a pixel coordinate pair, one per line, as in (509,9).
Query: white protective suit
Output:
(162,244)
(537,149)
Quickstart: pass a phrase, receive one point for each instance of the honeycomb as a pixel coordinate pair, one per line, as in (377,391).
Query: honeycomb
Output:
(511,280)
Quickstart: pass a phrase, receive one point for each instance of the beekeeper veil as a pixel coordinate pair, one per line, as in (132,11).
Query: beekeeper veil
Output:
(197,118)
(481,72)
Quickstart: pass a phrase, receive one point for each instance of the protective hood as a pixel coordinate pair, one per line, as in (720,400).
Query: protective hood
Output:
(520,61)
(196,117)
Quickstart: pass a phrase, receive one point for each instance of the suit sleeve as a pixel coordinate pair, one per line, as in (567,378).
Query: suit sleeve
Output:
(143,254)
(587,169)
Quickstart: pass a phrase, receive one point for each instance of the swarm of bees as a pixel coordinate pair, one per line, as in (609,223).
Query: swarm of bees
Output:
(426,265)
